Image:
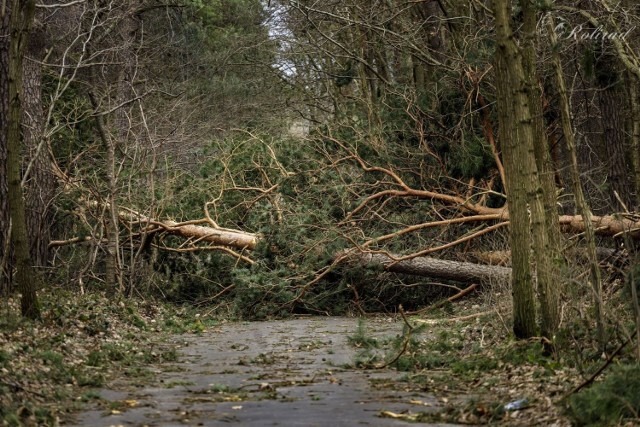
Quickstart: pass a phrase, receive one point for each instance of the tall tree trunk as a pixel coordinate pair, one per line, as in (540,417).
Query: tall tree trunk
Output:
(612,107)
(524,190)
(39,181)
(634,100)
(5,246)
(516,167)
(112,272)
(123,129)
(27,277)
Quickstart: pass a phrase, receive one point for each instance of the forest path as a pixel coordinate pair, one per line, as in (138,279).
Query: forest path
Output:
(293,372)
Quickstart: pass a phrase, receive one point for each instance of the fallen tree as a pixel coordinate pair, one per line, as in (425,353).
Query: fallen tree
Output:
(503,258)
(199,233)
(193,232)
(213,236)
(606,225)
(465,272)
(205,235)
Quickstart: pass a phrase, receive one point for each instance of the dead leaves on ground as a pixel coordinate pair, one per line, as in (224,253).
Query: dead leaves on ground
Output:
(47,368)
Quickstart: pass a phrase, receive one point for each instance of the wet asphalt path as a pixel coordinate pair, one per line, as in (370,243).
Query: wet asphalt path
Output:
(293,372)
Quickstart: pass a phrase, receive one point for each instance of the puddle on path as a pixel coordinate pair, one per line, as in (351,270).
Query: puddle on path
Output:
(278,373)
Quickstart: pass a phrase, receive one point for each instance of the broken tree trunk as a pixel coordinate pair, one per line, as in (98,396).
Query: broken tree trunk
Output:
(194,231)
(218,236)
(466,272)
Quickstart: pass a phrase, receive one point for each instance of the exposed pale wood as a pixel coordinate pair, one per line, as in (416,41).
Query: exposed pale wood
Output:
(192,230)
(218,236)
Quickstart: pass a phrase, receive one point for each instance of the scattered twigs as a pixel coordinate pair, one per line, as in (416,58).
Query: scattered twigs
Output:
(18,387)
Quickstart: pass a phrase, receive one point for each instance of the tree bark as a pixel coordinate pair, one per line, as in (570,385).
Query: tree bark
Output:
(190,230)
(223,237)
(27,277)
(112,271)
(544,212)
(465,272)
(612,106)
(519,164)
(5,246)
(39,185)
(634,100)
(541,143)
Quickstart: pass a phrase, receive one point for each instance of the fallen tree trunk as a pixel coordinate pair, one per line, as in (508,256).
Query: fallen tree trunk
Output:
(217,236)
(195,233)
(191,230)
(466,272)
(503,258)
(608,225)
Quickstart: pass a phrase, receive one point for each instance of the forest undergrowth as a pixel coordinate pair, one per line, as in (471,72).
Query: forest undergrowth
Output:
(465,355)
(50,368)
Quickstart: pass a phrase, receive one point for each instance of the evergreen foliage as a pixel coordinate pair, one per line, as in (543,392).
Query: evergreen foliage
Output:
(610,402)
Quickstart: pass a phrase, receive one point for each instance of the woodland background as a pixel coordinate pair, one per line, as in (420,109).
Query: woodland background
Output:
(310,129)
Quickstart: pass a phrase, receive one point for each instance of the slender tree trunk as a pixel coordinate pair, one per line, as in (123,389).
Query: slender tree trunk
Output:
(545,225)
(634,100)
(581,203)
(27,277)
(542,151)
(123,128)
(111,221)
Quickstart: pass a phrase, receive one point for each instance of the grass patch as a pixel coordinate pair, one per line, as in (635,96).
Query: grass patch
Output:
(361,339)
